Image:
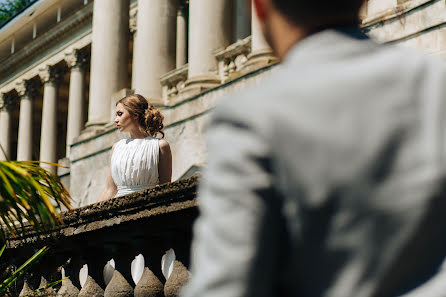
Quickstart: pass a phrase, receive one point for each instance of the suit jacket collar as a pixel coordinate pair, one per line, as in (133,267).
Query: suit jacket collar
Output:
(329,43)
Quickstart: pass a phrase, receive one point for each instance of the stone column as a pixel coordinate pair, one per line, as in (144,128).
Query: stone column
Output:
(261,53)
(76,117)
(109,56)
(155,46)
(181,36)
(26,91)
(258,41)
(48,138)
(5,126)
(242,27)
(210,29)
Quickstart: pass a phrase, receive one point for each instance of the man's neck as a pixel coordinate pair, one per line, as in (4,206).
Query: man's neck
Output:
(284,35)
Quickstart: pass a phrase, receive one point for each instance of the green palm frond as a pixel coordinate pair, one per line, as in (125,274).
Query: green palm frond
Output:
(29,193)
(5,284)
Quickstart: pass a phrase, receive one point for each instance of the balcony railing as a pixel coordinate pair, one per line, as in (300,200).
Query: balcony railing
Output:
(137,245)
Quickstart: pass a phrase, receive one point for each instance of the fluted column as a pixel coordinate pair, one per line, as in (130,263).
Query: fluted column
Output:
(109,57)
(5,126)
(26,91)
(181,36)
(210,29)
(155,46)
(48,138)
(76,116)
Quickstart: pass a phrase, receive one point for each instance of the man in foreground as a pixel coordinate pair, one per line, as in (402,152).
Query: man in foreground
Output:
(328,179)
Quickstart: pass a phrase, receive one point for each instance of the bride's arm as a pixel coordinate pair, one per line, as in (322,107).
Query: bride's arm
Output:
(110,187)
(165,162)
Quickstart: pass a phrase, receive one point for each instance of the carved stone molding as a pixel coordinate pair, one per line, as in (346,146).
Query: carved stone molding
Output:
(232,59)
(77,59)
(133,20)
(49,39)
(50,74)
(174,81)
(27,87)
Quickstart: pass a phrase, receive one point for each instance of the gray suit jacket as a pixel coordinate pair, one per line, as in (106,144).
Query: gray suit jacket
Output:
(328,178)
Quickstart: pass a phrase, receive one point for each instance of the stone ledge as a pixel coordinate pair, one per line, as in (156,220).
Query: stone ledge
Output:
(158,201)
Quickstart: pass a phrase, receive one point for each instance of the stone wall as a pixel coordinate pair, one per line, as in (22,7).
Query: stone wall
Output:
(417,24)
(185,124)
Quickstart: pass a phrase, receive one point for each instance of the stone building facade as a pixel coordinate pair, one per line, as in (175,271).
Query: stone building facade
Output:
(64,63)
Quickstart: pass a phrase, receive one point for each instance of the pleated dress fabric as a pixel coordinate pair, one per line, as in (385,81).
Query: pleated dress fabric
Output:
(134,164)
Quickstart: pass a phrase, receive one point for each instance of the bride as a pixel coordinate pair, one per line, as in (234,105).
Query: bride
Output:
(141,161)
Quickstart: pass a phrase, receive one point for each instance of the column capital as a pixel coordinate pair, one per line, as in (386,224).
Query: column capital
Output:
(76,58)
(27,87)
(133,20)
(7,101)
(183,7)
(50,74)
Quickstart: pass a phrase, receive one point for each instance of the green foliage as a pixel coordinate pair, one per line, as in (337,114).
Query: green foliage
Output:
(9,281)
(26,195)
(8,8)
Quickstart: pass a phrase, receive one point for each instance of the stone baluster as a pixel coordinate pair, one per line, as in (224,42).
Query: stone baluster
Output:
(70,285)
(45,290)
(91,289)
(154,47)
(50,77)
(118,286)
(109,57)
(77,62)
(149,285)
(6,104)
(67,289)
(26,290)
(210,29)
(178,278)
(27,90)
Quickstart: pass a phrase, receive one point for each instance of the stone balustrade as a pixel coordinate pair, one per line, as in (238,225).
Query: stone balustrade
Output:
(232,59)
(137,245)
(173,82)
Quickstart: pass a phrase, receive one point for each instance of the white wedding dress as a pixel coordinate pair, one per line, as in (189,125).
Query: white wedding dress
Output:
(134,164)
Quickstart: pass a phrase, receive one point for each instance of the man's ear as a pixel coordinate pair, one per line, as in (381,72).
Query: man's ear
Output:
(260,7)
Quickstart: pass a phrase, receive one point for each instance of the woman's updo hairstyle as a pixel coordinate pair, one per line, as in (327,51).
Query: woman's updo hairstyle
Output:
(149,117)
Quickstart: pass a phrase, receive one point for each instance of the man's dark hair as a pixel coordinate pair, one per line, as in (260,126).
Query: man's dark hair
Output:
(322,12)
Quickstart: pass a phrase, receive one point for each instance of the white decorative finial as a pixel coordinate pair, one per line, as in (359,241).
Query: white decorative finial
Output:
(137,268)
(167,262)
(109,268)
(83,274)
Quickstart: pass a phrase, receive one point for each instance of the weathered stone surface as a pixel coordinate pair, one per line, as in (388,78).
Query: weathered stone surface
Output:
(67,289)
(48,292)
(26,290)
(177,280)
(149,285)
(91,289)
(118,287)
(160,200)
